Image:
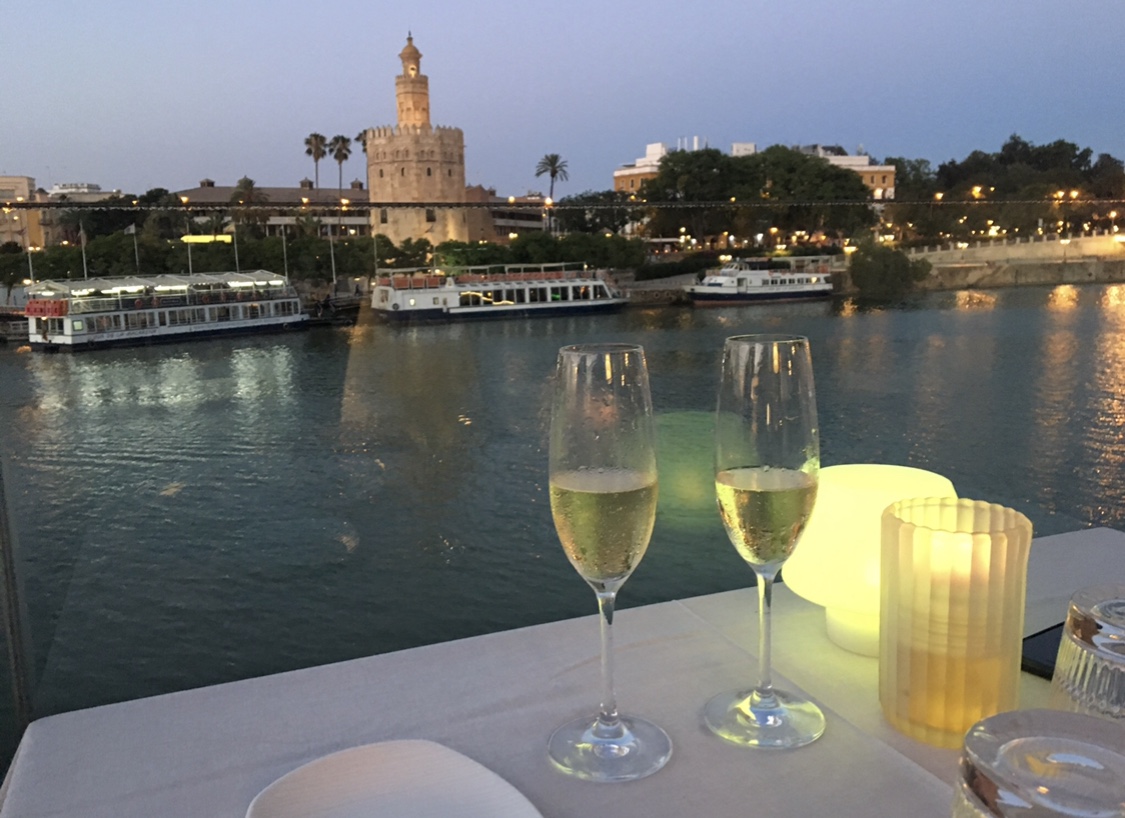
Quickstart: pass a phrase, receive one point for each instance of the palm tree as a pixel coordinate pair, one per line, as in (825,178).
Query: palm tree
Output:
(555,166)
(341,148)
(315,144)
(247,193)
(361,138)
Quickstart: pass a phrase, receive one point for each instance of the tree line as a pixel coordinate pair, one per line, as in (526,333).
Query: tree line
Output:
(306,256)
(1021,189)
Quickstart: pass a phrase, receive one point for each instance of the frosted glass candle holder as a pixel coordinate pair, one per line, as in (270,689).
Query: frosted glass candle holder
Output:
(953,586)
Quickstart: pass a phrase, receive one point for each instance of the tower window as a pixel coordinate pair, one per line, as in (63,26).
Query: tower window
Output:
(380,173)
(429,172)
(449,172)
(402,171)
(383,216)
(430,215)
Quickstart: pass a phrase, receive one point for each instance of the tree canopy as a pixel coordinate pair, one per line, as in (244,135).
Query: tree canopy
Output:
(882,273)
(603,211)
(553,166)
(777,188)
(1020,189)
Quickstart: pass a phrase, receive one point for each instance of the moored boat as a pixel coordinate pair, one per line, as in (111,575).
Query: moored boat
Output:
(494,292)
(135,310)
(753,280)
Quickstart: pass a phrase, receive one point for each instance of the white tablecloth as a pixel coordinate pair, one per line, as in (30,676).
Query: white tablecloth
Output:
(496,698)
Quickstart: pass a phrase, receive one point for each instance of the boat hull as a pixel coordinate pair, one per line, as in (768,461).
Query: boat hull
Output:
(729,299)
(496,313)
(167,338)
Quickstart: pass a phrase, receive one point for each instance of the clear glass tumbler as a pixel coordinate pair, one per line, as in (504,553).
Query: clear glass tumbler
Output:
(1041,764)
(1090,670)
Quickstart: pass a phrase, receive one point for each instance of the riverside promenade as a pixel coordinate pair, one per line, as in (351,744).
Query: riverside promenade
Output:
(1035,260)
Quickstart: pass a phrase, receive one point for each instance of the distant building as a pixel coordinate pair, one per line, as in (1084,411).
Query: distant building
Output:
(79,192)
(505,218)
(879,178)
(24,227)
(629,178)
(305,201)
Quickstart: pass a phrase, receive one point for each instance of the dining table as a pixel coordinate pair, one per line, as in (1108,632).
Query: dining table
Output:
(496,698)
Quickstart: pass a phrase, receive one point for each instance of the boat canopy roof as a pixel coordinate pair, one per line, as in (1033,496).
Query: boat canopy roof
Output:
(160,283)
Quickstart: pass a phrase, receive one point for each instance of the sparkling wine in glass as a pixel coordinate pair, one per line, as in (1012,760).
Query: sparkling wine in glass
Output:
(767,460)
(603,500)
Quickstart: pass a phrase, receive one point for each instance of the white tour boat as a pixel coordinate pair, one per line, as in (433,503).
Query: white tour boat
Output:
(753,280)
(134,310)
(494,292)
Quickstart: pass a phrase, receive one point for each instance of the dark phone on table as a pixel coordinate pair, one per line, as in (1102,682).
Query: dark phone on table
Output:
(1040,650)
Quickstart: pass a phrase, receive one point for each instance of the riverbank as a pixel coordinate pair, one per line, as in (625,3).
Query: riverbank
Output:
(994,274)
(965,275)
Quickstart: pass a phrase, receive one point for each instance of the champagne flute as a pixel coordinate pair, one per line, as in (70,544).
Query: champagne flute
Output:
(767,460)
(603,500)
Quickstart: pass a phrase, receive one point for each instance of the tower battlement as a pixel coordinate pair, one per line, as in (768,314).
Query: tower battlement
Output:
(390,131)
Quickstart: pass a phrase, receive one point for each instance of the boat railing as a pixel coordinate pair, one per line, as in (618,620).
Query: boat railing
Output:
(422,282)
(191,298)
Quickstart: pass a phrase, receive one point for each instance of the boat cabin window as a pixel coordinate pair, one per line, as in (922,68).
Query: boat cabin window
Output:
(77,326)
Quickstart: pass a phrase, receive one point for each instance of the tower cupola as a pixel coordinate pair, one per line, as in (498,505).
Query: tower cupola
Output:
(412,89)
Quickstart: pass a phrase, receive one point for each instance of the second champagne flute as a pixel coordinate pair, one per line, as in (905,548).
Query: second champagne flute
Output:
(767,463)
(603,500)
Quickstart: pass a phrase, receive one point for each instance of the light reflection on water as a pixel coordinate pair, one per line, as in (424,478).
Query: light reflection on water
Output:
(199,513)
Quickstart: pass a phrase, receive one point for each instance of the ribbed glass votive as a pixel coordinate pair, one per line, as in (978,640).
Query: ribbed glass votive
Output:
(1090,669)
(952,585)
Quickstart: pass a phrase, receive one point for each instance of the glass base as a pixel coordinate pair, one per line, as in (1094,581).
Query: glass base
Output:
(778,721)
(594,751)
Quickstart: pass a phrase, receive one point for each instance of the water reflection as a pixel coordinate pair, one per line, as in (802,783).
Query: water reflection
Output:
(1063,297)
(975,300)
(206,512)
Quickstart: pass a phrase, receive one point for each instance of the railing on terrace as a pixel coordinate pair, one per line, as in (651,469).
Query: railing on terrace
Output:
(1012,241)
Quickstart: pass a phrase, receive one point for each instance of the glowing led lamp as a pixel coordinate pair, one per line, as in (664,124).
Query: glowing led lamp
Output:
(836,563)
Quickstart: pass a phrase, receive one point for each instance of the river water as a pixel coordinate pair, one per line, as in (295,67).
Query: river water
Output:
(204,512)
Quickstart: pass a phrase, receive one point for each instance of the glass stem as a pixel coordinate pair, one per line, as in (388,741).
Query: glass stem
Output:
(607,716)
(764,691)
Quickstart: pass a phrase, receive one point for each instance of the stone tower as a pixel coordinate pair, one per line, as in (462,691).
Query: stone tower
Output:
(416,162)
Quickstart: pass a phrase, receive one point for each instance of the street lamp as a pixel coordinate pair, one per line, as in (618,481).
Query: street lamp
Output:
(187,229)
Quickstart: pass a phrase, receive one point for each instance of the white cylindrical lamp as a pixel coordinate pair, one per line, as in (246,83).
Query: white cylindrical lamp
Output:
(836,562)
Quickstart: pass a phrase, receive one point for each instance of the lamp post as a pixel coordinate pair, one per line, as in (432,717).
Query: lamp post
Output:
(187,231)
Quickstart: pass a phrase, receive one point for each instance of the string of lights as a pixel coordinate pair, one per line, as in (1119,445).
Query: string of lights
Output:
(366,207)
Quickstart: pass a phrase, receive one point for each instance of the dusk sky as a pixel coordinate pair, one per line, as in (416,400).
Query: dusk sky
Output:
(135,95)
